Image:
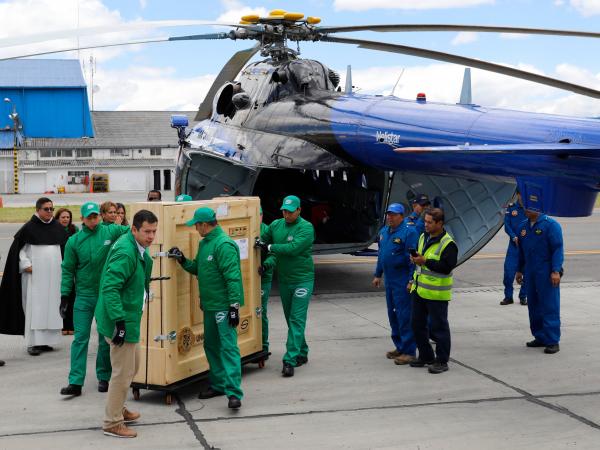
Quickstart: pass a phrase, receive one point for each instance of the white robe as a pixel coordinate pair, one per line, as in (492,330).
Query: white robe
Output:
(41,293)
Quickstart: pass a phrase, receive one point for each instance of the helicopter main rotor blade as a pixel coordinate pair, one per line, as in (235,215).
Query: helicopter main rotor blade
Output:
(229,71)
(470,62)
(119,44)
(94,31)
(448,27)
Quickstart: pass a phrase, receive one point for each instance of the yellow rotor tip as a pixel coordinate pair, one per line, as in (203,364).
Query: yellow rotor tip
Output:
(251,18)
(313,20)
(277,12)
(293,16)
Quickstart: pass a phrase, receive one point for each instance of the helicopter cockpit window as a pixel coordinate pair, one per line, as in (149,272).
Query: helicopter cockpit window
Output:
(225,104)
(300,77)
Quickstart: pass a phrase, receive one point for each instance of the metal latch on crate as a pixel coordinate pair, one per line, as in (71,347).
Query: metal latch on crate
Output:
(172,336)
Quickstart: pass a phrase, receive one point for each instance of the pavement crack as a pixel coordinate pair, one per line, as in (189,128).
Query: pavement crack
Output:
(189,419)
(356,314)
(532,398)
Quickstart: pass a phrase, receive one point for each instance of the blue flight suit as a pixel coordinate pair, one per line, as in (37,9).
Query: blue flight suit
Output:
(418,222)
(514,216)
(540,253)
(394,263)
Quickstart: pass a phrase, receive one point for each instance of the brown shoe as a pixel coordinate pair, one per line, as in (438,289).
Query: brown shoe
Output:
(393,354)
(130,416)
(120,431)
(403,359)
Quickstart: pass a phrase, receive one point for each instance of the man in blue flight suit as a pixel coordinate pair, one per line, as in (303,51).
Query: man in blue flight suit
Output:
(393,262)
(541,254)
(514,216)
(419,204)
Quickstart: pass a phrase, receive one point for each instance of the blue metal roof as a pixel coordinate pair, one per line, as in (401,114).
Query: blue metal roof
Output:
(41,73)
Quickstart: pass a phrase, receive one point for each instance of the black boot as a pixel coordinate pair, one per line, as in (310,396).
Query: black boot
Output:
(102,386)
(523,301)
(2,363)
(301,360)
(288,370)
(234,403)
(551,349)
(209,392)
(535,343)
(34,351)
(507,301)
(71,389)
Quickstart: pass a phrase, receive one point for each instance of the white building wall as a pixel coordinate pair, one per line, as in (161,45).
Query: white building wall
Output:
(6,175)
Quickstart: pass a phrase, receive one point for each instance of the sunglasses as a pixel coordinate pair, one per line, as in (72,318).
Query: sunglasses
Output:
(47,209)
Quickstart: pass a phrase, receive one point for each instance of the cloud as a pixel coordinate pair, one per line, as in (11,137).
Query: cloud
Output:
(442,83)
(586,7)
(362,5)
(61,18)
(149,88)
(234,10)
(465,37)
(143,4)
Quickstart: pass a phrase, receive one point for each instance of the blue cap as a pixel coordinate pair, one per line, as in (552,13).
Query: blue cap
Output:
(395,208)
(421,199)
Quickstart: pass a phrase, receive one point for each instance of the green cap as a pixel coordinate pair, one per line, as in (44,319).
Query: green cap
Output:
(89,208)
(183,198)
(202,215)
(291,203)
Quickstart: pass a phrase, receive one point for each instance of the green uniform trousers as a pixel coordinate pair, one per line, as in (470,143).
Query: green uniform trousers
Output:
(83,314)
(223,354)
(295,298)
(265,291)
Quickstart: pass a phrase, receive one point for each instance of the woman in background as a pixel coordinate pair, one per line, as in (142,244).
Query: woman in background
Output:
(108,211)
(122,213)
(65,217)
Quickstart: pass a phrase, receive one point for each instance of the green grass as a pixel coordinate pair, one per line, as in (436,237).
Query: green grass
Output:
(22,214)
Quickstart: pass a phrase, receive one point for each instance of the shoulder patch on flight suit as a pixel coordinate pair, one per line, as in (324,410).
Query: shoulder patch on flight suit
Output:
(107,242)
(290,238)
(538,231)
(523,232)
(397,241)
(515,212)
(410,223)
(210,258)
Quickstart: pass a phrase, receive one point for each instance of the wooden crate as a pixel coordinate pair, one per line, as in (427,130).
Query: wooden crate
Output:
(172,329)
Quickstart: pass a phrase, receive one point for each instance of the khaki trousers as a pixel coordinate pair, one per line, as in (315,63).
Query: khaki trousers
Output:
(125,361)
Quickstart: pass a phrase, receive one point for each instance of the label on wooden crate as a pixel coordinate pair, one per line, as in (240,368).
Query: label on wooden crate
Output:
(243,245)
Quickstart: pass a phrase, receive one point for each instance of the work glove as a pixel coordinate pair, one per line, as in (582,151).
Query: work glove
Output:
(174,252)
(234,315)
(261,244)
(64,305)
(119,337)
(261,270)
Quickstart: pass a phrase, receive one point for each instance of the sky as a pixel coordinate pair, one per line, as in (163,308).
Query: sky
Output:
(176,75)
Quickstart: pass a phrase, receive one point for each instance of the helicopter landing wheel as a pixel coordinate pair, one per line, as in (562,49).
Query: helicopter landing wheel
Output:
(136,394)
(168,399)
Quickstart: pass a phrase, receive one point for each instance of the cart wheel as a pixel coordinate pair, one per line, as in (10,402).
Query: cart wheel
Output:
(136,394)
(261,364)
(168,399)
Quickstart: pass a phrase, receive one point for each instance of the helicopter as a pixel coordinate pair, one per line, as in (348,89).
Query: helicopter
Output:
(284,125)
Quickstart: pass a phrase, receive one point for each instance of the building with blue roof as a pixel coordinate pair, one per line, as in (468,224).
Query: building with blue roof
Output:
(50,96)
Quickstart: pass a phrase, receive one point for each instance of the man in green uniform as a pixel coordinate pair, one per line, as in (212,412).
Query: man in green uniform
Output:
(290,239)
(84,258)
(265,271)
(217,266)
(124,287)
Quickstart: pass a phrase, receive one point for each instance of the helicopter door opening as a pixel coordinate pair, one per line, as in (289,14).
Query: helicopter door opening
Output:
(344,205)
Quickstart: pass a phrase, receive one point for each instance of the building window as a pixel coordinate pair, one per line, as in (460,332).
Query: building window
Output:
(56,153)
(119,152)
(83,153)
(155,151)
(77,176)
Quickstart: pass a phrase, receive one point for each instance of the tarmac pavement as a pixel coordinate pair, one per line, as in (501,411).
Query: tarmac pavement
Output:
(497,394)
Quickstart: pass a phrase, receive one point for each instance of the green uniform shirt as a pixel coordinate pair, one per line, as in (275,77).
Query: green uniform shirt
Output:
(124,284)
(292,247)
(267,261)
(84,258)
(217,266)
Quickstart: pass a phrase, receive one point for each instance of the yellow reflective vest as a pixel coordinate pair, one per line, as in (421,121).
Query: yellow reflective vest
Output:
(432,285)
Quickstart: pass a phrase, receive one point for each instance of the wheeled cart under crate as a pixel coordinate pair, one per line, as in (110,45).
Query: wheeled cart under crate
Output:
(172,330)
